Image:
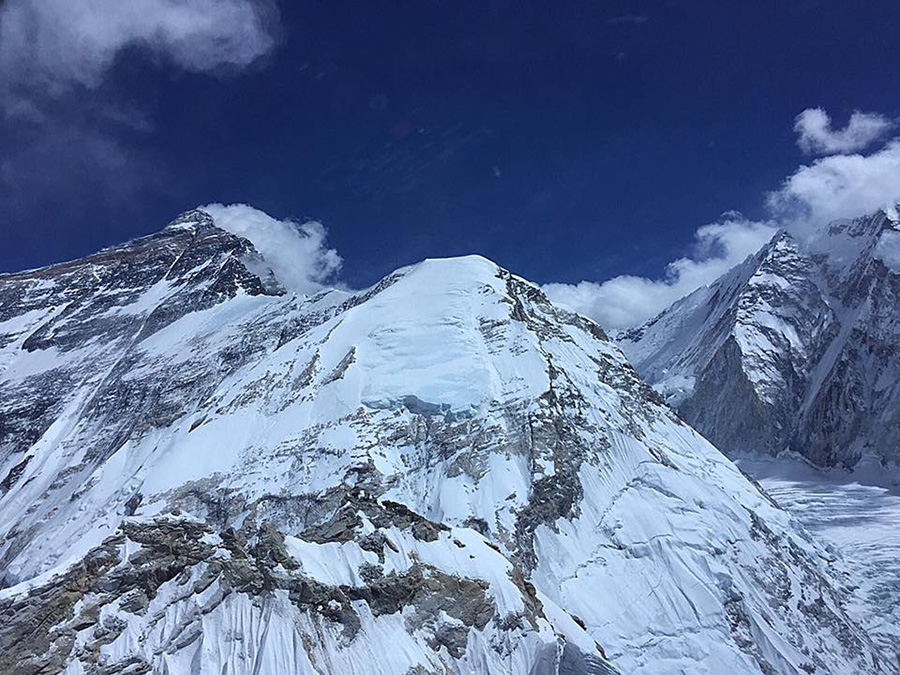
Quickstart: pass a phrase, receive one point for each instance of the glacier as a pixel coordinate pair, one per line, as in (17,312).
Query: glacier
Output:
(857,521)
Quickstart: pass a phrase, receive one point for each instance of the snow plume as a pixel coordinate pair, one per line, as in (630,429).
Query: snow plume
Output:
(296,252)
(56,45)
(830,188)
(626,301)
(816,136)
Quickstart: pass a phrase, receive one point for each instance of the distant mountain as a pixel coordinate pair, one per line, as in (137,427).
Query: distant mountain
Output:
(796,349)
(445,473)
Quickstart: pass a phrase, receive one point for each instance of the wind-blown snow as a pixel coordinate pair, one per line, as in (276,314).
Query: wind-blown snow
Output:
(296,251)
(888,249)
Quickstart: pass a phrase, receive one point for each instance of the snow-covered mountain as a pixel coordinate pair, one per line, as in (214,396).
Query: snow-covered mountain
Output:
(200,473)
(798,348)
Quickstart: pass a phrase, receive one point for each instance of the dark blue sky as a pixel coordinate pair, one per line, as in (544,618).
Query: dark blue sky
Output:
(565,140)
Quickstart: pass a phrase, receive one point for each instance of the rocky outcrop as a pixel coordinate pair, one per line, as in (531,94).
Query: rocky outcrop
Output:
(147,571)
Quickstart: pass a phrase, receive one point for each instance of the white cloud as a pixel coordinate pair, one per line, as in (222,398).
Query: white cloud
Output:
(626,300)
(816,136)
(841,186)
(296,252)
(828,189)
(54,45)
(68,129)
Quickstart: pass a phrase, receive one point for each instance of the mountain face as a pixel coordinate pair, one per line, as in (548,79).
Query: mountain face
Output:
(445,473)
(798,348)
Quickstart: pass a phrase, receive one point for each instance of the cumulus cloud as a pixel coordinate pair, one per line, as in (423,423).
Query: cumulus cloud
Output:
(840,186)
(816,136)
(54,45)
(828,189)
(627,300)
(296,252)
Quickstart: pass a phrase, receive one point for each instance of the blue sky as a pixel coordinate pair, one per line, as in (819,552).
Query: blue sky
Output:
(568,141)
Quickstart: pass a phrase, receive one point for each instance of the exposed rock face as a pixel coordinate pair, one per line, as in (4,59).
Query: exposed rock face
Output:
(795,349)
(442,474)
(83,320)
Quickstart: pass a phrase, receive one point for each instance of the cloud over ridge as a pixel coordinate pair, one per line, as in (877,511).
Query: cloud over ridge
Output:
(628,300)
(840,185)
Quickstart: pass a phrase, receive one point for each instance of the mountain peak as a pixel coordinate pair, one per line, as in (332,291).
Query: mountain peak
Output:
(441,473)
(190,220)
(459,271)
(785,342)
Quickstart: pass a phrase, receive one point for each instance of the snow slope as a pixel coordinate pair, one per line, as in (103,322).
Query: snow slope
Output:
(443,473)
